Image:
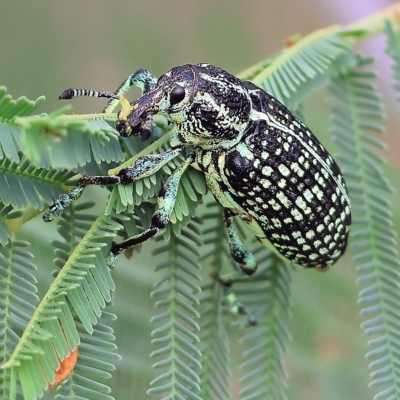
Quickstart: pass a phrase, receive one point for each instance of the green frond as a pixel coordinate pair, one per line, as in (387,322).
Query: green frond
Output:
(269,298)
(82,288)
(176,336)
(303,67)
(7,214)
(96,361)
(63,141)
(18,299)
(9,130)
(22,184)
(216,369)
(356,109)
(97,352)
(393,49)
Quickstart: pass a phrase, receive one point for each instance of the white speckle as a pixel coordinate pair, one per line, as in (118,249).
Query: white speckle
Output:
(264,155)
(306,247)
(325,173)
(308,195)
(301,241)
(296,168)
(301,203)
(283,170)
(327,238)
(278,151)
(276,222)
(288,220)
(267,170)
(286,146)
(265,183)
(296,214)
(283,199)
(310,234)
(282,183)
(320,228)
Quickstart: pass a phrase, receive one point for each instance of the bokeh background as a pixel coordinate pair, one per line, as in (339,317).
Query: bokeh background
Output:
(47,46)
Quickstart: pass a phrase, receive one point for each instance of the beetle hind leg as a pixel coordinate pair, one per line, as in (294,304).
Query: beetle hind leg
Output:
(247,264)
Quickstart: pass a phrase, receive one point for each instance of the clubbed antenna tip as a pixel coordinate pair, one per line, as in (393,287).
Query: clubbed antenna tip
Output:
(66,94)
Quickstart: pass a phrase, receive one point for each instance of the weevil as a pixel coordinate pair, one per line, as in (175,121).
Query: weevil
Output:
(261,163)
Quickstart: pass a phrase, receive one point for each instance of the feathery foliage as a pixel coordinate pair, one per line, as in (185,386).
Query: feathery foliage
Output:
(176,338)
(18,301)
(41,154)
(356,115)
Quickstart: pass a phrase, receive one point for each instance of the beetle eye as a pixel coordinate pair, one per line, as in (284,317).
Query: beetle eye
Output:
(177,95)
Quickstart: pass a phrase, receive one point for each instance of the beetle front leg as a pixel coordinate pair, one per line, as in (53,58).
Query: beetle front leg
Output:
(142,78)
(160,219)
(143,167)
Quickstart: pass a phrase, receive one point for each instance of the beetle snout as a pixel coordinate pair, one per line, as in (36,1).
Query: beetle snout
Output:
(139,119)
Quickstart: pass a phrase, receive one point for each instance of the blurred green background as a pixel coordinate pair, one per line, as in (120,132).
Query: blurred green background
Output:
(48,46)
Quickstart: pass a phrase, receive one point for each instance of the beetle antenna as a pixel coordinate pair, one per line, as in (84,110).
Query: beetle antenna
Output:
(71,93)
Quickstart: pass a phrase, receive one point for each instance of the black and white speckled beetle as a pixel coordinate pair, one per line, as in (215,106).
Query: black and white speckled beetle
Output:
(260,162)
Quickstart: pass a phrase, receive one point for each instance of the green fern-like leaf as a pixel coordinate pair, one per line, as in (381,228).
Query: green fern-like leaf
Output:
(96,361)
(10,109)
(21,184)
(393,49)
(69,142)
(176,338)
(356,110)
(264,374)
(18,299)
(304,67)
(96,350)
(82,288)
(216,371)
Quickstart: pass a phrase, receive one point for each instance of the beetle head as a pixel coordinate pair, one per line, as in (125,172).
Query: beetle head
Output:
(203,101)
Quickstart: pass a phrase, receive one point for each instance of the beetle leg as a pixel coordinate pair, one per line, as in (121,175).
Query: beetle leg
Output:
(144,166)
(142,78)
(238,252)
(160,219)
(247,264)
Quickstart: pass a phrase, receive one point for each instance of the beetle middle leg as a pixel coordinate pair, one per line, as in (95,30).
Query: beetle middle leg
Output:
(160,219)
